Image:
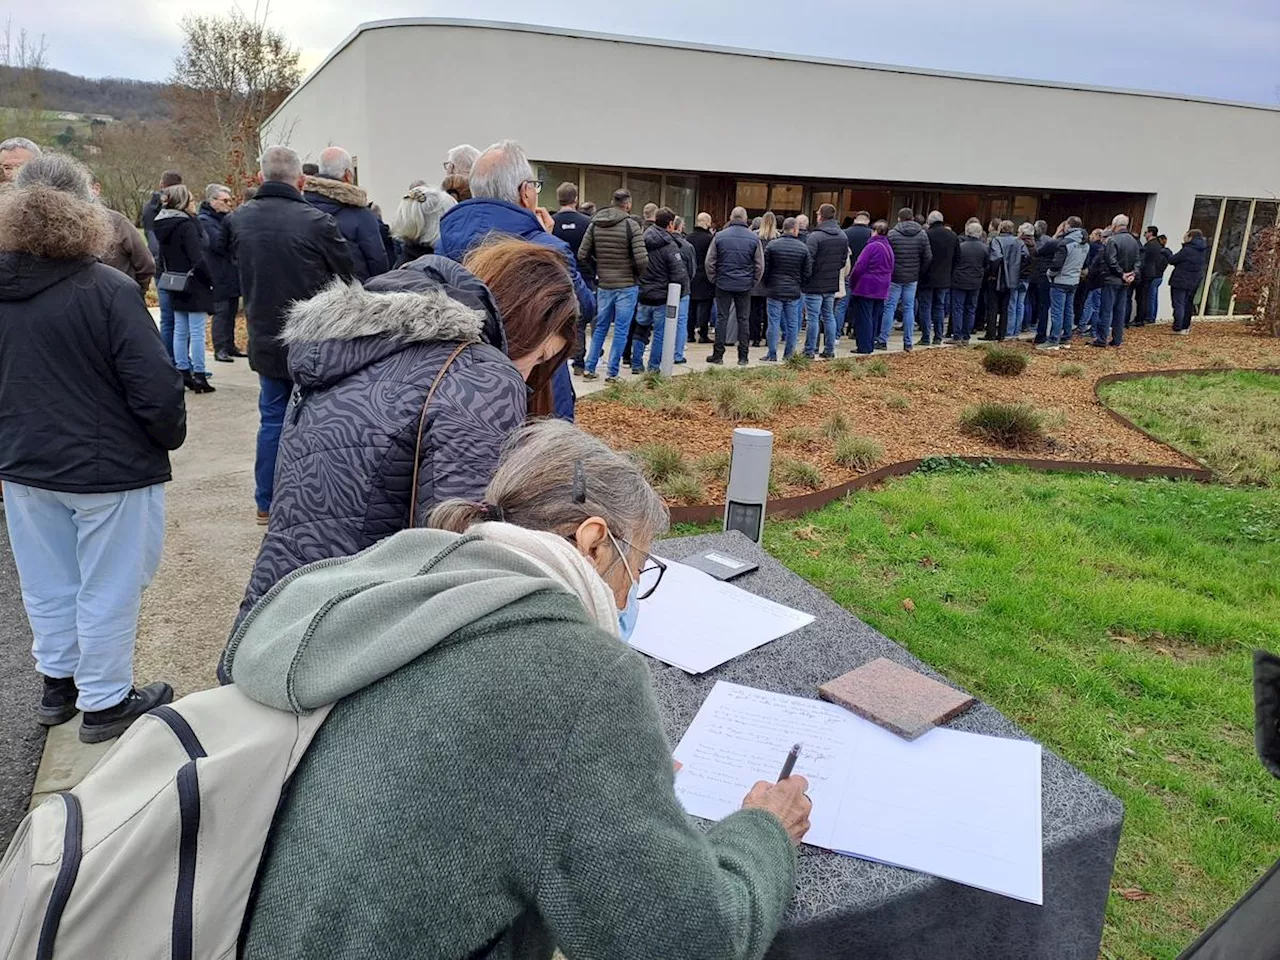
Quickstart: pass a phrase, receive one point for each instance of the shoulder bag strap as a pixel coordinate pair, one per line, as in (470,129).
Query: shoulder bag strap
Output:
(422,421)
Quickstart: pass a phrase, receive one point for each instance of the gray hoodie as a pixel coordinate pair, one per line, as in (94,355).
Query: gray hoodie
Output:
(1076,248)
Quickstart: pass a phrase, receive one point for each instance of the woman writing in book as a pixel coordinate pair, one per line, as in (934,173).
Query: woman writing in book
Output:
(494,780)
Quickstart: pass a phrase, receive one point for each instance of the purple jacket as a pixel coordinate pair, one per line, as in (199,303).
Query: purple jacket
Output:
(362,360)
(874,269)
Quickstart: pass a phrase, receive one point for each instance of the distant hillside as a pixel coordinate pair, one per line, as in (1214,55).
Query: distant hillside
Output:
(122,99)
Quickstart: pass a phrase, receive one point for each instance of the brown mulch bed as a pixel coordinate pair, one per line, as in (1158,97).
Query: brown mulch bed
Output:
(937,386)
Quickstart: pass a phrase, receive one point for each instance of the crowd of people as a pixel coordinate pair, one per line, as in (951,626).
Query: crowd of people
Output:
(444,536)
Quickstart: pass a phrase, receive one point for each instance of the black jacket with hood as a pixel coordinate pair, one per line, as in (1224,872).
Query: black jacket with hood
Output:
(89,400)
(787,266)
(912,253)
(1189,264)
(701,287)
(943,243)
(182,250)
(829,247)
(665,265)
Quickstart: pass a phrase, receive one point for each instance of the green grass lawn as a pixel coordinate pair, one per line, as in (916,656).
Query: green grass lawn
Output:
(1229,421)
(1113,619)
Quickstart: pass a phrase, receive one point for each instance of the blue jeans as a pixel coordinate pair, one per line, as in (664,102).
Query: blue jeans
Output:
(1112,314)
(842,316)
(166,320)
(188,340)
(682,329)
(1092,304)
(1183,306)
(1062,308)
(820,308)
(1153,303)
(1018,307)
(906,292)
(83,561)
(964,309)
(273,400)
(933,314)
(654,317)
(784,322)
(613,308)
(1040,303)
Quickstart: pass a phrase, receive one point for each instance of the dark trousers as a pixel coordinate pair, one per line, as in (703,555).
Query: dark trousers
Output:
(1039,294)
(989,306)
(1183,307)
(866,314)
(1144,302)
(1082,292)
(997,314)
(224,325)
(699,319)
(741,305)
(964,309)
(580,344)
(1113,314)
(759,318)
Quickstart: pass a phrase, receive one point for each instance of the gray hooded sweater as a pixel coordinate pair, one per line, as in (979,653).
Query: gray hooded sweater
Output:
(493,782)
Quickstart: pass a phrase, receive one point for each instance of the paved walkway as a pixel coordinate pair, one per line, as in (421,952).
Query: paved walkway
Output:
(21,738)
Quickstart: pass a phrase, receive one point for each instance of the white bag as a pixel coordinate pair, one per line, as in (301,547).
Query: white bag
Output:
(153,855)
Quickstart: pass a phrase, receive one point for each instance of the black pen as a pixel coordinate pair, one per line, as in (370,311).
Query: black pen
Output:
(792,755)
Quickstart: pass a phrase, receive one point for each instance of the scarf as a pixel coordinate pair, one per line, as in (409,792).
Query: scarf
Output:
(562,562)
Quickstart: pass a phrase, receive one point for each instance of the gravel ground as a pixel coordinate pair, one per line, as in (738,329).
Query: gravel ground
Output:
(21,738)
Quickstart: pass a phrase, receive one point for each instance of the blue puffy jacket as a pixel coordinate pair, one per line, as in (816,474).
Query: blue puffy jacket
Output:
(349,205)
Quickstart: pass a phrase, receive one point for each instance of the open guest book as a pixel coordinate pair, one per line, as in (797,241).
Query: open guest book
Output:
(962,806)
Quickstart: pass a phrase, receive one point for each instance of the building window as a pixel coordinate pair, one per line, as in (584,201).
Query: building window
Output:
(552,175)
(1226,257)
(753,196)
(1025,209)
(786,199)
(599,185)
(1264,218)
(681,195)
(645,188)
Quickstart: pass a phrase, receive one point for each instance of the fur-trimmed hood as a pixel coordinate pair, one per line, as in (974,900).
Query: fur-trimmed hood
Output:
(347,326)
(340,192)
(52,225)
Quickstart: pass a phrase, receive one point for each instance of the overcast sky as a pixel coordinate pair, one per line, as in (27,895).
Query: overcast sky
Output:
(1213,48)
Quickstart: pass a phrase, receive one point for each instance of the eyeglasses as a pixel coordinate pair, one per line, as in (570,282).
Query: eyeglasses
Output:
(537,185)
(651,569)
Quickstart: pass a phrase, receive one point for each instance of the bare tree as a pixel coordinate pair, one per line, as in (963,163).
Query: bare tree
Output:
(28,56)
(233,71)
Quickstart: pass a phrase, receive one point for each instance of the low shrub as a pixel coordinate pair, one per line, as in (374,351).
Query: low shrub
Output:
(1004,363)
(677,409)
(858,453)
(799,473)
(877,367)
(843,365)
(715,466)
(735,402)
(1071,370)
(1017,426)
(660,462)
(684,488)
(799,435)
(798,361)
(835,426)
(652,380)
(897,402)
(819,388)
(780,396)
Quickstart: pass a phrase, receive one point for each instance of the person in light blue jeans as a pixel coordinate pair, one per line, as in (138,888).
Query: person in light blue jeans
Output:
(189,341)
(820,308)
(85,560)
(905,292)
(614,308)
(682,329)
(784,325)
(651,319)
(1019,309)
(166,319)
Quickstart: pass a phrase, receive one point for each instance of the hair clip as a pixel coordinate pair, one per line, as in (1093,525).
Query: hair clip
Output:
(493,512)
(579,483)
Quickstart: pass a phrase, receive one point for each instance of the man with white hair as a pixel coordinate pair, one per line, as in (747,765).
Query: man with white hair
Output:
(14,152)
(735,264)
(213,215)
(1119,263)
(459,160)
(333,191)
(504,200)
(285,250)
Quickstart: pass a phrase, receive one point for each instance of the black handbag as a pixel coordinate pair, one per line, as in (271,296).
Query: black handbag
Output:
(174,282)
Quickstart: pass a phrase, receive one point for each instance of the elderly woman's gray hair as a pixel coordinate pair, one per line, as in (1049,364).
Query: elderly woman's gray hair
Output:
(1027,230)
(51,211)
(215,190)
(20,143)
(1007,226)
(417,219)
(534,487)
(460,159)
(498,172)
(975,229)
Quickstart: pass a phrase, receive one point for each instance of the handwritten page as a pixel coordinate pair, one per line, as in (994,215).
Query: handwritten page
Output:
(696,622)
(957,805)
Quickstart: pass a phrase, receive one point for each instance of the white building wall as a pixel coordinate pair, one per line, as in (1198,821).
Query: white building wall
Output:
(400,93)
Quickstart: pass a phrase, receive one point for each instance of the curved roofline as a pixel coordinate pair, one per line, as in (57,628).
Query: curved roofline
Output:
(515,27)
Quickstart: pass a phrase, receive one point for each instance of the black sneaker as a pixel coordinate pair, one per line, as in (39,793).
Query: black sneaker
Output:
(718,361)
(223,357)
(882,346)
(58,705)
(101,725)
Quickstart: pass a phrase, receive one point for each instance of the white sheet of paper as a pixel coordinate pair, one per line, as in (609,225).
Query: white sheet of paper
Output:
(696,622)
(957,805)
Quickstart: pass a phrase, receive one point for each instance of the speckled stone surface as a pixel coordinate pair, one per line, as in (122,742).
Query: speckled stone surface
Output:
(896,697)
(846,907)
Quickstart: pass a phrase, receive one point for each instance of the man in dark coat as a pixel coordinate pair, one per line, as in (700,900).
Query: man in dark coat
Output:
(1188,273)
(935,298)
(968,274)
(571,227)
(225,274)
(614,248)
(735,264)
(911,258)
(1038,286)
(829,248)
(1120,263)
(1155,258)
(285,250)
(334,192)
(702,292)
(150,209)
(788,265)
(666,266)
(690,257)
